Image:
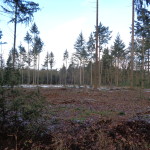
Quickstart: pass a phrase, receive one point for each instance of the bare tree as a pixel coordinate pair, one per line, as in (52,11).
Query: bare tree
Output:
(66,56)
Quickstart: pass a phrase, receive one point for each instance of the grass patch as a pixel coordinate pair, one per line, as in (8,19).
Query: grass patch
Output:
(83,114)
(122,113)
(88,112)
(103,113)
(79,119)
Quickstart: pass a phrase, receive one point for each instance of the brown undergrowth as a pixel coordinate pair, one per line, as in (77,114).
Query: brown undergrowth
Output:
(78,119)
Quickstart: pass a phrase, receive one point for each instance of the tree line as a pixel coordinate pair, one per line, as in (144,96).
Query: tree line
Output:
(115,63)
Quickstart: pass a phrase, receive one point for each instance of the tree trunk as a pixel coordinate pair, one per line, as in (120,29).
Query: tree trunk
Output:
(22,75)
(34,69)
(66,73)
(15,30)
(148,66)
(83,74)
(51,76)
(47,74)
(91,75)
(28,64)
(142,76)
(115,72)
(99,70)
(73,76)
(1,64)
(80,73)
(38,76)
(118,72)
(132,50)
(148,61)
(110,74)
(96,63)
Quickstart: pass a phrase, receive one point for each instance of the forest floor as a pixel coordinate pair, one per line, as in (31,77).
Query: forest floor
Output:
(85,119)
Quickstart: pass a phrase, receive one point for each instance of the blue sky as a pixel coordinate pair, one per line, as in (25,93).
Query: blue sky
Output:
(60,22)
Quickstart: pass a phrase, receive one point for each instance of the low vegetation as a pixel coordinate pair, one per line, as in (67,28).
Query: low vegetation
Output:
(74,119)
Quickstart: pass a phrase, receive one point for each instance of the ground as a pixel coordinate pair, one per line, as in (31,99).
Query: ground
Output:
(113,119)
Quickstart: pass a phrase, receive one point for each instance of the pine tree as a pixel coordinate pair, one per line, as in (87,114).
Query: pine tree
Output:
(139,5)
(34,30)
(104,35)
(80,50)
(118,52)
(37,48)
(22,60)
(107,67)
(46,62)
(143,34)
(90,51)
(21,11)
(28,39)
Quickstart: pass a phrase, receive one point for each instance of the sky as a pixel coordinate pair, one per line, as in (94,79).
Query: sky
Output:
(60,23)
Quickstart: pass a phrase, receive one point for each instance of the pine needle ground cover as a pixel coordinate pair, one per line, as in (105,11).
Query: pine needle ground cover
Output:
(74,119)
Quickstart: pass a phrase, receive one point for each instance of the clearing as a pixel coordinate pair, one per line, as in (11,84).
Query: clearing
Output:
(81,119)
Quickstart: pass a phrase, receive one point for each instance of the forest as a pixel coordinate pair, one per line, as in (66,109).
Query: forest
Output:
(98,99)
(114,65)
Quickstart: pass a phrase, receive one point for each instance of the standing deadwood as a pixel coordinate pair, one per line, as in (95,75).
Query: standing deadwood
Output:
(132,49)
(51,61)
(15,31)
(66,55)
(96,63)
